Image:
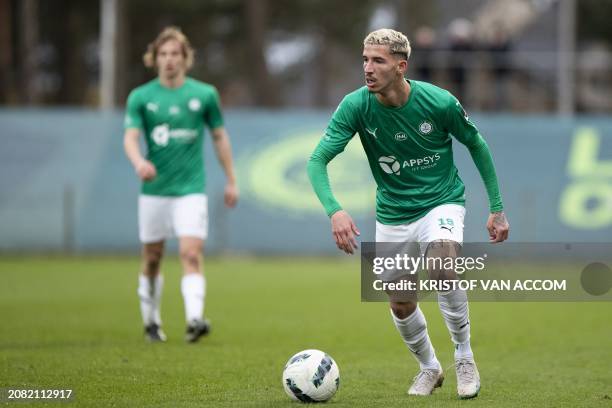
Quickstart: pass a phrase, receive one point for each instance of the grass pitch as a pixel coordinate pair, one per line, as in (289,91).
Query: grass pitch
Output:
(75,323)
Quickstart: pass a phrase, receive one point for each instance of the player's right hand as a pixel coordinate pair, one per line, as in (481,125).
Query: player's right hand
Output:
(344,231)
(230,195)
(146,170)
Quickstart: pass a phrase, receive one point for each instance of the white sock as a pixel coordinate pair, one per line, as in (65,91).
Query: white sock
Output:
(456,313)
(193,287)
(464,350)
(413,330)
(149,292)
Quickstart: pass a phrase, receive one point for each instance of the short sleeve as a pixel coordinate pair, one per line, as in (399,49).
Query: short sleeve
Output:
(133,112)
(341,128)
(212,110)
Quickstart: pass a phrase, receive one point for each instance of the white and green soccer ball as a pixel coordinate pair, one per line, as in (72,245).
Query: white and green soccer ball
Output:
(311,376)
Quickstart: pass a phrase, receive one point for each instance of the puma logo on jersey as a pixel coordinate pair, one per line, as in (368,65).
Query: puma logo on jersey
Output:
(450,229)
(153,107)
(372,132)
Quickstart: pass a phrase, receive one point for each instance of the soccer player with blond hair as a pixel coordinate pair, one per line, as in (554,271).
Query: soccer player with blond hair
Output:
(170,112)
(405,128)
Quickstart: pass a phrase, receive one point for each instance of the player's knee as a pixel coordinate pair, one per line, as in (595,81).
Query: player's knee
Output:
(190,257)
(439,252)
(402,310)
(152,261)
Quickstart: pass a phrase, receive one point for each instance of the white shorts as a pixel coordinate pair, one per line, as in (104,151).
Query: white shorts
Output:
(442,222)
(160,217)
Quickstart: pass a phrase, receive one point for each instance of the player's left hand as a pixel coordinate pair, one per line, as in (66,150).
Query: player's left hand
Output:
(498,227)
(230,196)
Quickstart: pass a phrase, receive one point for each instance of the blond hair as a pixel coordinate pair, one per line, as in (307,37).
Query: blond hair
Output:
(397,42)
(167,34)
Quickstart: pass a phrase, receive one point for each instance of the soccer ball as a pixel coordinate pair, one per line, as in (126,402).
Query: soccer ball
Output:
(311,376)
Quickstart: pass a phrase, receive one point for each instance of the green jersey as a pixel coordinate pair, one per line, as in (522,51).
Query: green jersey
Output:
(409,150)
(172,121)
